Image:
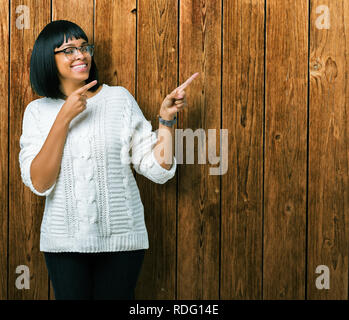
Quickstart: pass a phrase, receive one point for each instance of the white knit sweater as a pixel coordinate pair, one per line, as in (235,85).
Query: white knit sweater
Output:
(94,205)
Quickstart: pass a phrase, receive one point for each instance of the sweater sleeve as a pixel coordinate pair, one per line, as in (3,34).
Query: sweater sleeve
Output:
(31,143)
(142,147)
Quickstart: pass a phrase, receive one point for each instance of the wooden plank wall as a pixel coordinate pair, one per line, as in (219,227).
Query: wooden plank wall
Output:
(4,164)
(270,76)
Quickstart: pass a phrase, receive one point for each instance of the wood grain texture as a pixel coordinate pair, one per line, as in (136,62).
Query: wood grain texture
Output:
(242,185)
(115,42)
(329,151)
(198,191)
(285,150)
(25,208)
(4,150)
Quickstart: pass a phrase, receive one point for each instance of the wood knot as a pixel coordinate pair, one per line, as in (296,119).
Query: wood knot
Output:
(288,208)
(331,70)
(327,243)
(316,65)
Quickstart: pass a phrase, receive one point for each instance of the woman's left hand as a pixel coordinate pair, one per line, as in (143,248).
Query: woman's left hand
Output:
(176,100)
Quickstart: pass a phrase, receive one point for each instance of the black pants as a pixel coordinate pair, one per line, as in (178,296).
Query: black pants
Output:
(94,276)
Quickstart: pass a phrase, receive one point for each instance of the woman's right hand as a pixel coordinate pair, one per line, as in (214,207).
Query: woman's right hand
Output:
(76,102)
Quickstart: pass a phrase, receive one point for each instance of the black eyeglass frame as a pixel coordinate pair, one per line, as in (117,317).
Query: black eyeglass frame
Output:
(78,48)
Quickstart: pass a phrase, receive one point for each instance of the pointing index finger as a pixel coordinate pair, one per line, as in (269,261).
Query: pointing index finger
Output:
(84,88)
(188,81)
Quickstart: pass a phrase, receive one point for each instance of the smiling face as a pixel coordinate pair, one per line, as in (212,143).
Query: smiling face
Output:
(70,75)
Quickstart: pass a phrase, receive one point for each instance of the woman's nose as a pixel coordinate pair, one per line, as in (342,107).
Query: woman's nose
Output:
(78,54)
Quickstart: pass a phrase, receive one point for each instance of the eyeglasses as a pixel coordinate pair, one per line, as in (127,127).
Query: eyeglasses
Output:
(72,51)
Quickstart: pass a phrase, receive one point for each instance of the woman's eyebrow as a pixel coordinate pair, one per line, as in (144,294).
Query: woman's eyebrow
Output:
(72,44)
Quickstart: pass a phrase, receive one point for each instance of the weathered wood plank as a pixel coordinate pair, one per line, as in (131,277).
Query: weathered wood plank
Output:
(4,151)
(25,208)
(199,190)
(285,149)
(242,185)
(328,150)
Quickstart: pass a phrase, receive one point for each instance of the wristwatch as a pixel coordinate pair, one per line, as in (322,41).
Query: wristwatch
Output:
(168,123)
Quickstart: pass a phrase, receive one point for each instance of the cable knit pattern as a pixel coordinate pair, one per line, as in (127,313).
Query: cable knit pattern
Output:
(94,205)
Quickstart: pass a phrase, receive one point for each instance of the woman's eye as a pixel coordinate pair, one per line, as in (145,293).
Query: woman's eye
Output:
(69,51)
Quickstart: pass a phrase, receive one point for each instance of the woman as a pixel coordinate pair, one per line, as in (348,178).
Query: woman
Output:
(74,150)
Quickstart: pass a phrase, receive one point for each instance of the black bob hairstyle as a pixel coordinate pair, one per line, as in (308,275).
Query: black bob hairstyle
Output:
(43,70)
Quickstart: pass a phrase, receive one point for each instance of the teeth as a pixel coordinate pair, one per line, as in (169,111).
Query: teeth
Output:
(80,66)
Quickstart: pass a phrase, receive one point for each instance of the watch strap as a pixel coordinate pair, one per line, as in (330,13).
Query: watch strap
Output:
(168,123)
